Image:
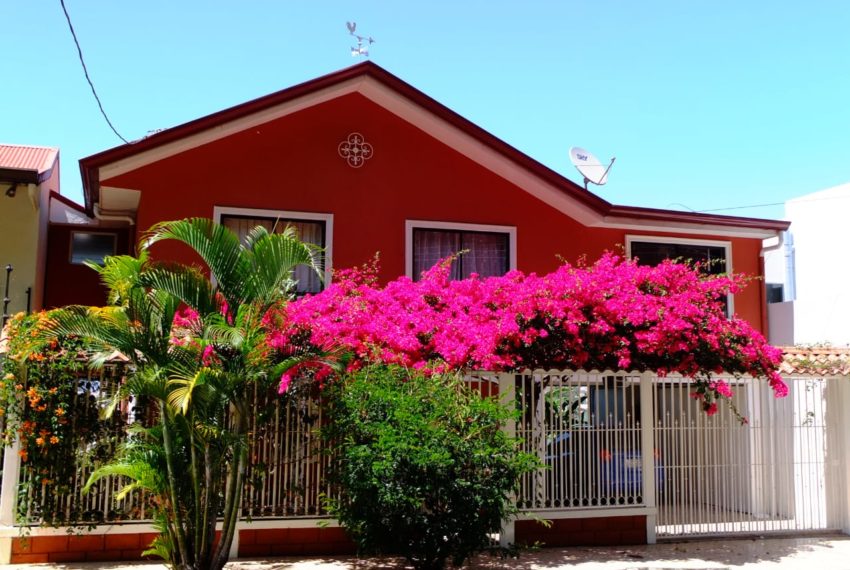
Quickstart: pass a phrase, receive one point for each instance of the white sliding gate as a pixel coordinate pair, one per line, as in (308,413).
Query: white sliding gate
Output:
(772,474)
(617,441)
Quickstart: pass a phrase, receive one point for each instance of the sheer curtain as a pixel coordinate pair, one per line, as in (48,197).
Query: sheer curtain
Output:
(430,246)
(485,253)
(308,232)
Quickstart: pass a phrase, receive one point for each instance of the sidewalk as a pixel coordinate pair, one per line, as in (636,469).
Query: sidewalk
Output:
(816,553)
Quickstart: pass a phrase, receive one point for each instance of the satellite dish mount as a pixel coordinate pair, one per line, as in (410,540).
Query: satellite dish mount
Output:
(589,166)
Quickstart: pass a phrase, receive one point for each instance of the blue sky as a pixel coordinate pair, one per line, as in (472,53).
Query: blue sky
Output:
(705,104)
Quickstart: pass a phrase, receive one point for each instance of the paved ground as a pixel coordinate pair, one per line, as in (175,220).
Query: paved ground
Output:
(815,553)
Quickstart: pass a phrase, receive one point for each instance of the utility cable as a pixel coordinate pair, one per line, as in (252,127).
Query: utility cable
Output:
(86,71)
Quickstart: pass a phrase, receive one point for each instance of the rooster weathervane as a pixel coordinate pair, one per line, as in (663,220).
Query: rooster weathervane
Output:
(360,49)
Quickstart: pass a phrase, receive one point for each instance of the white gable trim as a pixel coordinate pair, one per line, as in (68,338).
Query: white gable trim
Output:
(227,129)
(445,132)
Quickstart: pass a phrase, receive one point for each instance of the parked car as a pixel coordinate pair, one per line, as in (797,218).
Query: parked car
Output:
(583,472)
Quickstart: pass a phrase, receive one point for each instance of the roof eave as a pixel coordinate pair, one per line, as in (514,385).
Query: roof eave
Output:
(90,166)
(19,176)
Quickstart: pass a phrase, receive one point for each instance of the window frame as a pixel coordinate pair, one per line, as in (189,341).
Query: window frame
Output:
(726,245)
(219,212)
(113,235)
(411,225)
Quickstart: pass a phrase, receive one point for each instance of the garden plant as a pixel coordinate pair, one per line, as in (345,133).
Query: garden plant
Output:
(197,346)
(422,464)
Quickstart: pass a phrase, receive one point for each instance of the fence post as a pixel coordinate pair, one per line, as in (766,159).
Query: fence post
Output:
(8,496)
(647,445)
(507,396)
(838,442)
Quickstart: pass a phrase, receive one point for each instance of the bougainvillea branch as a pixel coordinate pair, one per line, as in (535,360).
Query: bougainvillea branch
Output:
(613,314)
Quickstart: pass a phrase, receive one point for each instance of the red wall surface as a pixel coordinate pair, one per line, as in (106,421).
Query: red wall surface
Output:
(73,284)
(292,164)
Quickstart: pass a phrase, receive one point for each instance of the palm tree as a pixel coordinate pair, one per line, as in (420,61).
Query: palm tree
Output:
(202,378)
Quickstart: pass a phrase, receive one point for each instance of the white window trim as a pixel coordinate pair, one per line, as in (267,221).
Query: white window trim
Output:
(410,225)
(727,245)
(328,219)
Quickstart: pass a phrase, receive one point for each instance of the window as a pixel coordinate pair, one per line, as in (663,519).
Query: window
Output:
(90,246)
(311,228)
(715,257)
(775,292)
(488,250)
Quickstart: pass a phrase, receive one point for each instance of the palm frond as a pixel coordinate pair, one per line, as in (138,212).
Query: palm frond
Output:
(273,258)
(183,282)
(182,388)
(217,246)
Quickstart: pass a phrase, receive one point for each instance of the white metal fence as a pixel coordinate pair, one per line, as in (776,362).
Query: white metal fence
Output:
(609,441)
(586,428)
(720,477)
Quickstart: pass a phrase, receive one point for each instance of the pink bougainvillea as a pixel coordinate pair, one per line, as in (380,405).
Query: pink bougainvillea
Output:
(613,314)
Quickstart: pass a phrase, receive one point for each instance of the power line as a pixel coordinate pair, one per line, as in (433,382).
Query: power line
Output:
(742,207)
(86,71)
(797,200)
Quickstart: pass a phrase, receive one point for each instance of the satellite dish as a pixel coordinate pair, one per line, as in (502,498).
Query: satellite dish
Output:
(589,166)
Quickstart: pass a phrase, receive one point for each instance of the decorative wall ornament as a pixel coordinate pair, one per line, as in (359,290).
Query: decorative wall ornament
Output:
(355,150)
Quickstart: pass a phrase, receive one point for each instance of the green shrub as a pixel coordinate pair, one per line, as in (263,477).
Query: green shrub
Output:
(422,465)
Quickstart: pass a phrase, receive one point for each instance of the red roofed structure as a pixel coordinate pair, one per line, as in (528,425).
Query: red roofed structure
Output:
(363,162)
(29,163)
(27,176)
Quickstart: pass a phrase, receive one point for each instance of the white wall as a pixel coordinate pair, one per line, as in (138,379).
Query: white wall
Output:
(819,224)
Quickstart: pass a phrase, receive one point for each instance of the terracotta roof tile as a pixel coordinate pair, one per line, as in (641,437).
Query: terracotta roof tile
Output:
(822,361)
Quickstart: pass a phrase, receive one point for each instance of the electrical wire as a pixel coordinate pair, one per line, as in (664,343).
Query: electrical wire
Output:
(86,71)
(797,200)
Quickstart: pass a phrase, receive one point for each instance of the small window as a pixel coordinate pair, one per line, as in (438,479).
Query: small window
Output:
(486,253)
(775,292)
(713,257)
(88,246)
(308,231)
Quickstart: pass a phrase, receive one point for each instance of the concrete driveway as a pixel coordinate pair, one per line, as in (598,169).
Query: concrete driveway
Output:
(800,553)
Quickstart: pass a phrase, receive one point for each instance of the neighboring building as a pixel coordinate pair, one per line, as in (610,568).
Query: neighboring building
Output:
(362,162)
(27,176)
(45,237)
(807,277)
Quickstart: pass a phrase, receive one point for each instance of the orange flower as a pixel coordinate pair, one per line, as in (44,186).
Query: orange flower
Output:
(23,453)
(53,390)
(9,376)
(54,440)
(39,441)
(41,408)
(60,412)
(19,386)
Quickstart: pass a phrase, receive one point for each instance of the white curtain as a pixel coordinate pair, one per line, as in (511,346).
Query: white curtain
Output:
(485,253)
(430,246)
(308,232)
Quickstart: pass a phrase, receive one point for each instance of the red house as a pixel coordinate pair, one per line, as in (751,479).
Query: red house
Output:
(362,162)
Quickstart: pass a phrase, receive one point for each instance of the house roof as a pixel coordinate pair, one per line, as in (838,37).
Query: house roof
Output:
(27,164)
(825,361)
(559,191)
